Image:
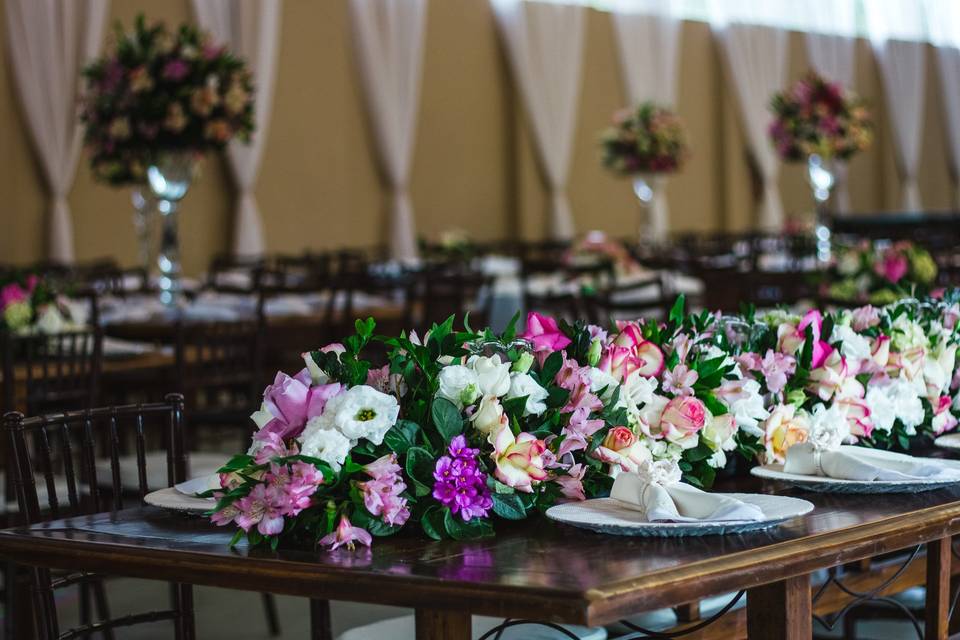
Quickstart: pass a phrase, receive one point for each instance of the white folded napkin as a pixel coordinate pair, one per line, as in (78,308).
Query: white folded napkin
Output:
(859,463)
(193,486)
(680,502)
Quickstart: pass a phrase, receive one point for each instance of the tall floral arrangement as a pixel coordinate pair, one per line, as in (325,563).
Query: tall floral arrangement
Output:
(159,90)
(880,273)
(816,116)
(29,303)
(647,139)
(462,428)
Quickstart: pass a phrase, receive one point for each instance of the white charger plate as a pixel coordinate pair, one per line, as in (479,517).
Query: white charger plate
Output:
(181,497)
(948,441)
(823,484)
(607,515)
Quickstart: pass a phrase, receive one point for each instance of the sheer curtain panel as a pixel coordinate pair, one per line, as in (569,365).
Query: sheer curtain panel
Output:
(252,29)
(544,42)
(648,44)
(388,36)
(49,42)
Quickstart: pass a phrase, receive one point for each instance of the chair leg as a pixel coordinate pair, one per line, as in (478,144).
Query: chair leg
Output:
(45,608)
(101,605)
(270,611)
(85,613)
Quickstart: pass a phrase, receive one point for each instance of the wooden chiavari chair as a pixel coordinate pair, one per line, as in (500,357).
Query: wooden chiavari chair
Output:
(441,291)
(61,451)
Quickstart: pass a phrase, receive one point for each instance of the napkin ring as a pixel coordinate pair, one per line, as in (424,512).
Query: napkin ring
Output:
(818,462)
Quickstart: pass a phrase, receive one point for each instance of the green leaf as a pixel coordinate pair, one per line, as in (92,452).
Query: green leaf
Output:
(402,436)
(551,367)
(676,312)
(446,418)
(715,406)
(432,522)
(420,466)
(459,530)
(508,506)
(363,518)
(236,538)
(557,397)
(515,406)
(236,463)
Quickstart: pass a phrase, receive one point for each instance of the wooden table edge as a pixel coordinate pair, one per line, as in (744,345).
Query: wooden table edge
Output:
(596,606)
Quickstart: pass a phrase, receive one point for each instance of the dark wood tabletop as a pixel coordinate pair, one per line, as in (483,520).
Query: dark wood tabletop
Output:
(536,568)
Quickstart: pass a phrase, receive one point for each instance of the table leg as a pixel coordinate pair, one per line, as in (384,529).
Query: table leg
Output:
(780,610)
(320,621)
(938,590)
(442,625)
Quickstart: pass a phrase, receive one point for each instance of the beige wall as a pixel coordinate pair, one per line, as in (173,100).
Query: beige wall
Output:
(474,166)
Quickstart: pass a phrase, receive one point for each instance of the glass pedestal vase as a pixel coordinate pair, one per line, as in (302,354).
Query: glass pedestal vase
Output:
(648,187)
(144,225)
(821,175)
(169,179)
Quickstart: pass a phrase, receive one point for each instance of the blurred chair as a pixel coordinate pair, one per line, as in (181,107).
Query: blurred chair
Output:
(647,298)
(440,291)
(60,450)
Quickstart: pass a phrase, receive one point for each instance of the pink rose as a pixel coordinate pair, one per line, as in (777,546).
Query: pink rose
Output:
(650,358)
(12,294)
(943,418)
(519,459)
(682,420)
(619,438)
(892,266)
(858,416)
(864,318)
(544,333)
(630,336)
(827,379)
(619,362)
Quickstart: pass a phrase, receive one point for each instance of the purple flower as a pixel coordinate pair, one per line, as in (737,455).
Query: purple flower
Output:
(459,483)
(290,402)
(175,70)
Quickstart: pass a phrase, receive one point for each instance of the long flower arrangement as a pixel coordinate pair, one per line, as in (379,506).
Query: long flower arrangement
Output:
(465,427)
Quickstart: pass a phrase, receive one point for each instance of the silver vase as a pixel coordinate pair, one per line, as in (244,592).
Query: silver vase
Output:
(169,179)
(647,187)
(144,225)
(821,175)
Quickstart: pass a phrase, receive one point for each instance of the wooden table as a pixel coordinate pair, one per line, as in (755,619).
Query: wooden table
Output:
(536,569)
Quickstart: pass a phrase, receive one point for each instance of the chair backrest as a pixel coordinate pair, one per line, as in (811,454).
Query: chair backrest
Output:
(647,298)
(436,293)
(215,358)
(47,373)
(60,451)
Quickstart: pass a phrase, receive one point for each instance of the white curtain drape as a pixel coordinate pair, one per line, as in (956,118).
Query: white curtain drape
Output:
(251,28)
(943,18)
(894,27)
(389,37)
(831,48)
(648,43)
(50,41)
(544,42)
(756,56)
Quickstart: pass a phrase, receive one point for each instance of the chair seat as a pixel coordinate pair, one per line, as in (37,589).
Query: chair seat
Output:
(199,464)
(404,628)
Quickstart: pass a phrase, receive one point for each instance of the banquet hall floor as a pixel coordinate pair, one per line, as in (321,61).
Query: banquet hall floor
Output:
(237,615)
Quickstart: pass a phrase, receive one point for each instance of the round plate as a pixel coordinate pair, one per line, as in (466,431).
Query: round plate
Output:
(172,499)
(948,441)
(607,515)
(823,484)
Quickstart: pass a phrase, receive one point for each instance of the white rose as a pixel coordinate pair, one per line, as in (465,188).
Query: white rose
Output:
(329,445)
(523,384)
(650,413)
(51,321)
(489,417)
(362,412)
(829,427)
(600,380)
(853,346)
(938,369)
(493,375)
(459,385)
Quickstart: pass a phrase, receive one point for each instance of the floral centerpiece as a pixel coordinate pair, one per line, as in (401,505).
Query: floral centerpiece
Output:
(159,90)
(880,273)
(462,428)
(648,139)
(819,117)
(595,248)
(29,304)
